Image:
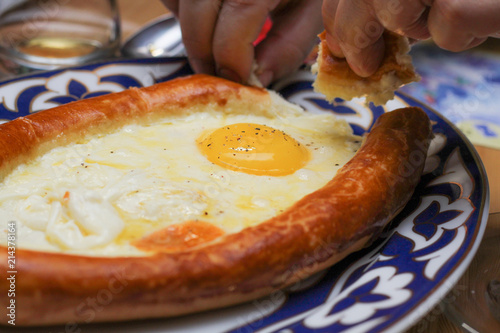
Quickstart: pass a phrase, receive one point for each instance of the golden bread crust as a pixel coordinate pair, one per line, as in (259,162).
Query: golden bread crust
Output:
(316,232)
(336,79)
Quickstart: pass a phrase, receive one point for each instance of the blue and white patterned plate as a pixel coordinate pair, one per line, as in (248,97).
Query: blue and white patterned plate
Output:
(387,287)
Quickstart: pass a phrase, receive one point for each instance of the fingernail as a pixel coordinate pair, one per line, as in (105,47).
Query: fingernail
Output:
(229,74)
(266,77)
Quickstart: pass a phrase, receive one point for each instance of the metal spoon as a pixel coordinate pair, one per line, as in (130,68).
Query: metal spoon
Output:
(160,38)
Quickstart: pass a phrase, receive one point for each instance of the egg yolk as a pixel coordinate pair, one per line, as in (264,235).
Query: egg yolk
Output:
(254,149)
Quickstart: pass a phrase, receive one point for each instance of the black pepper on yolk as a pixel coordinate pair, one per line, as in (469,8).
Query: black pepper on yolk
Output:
(254,149)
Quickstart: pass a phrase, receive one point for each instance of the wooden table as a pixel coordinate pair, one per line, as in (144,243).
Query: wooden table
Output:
(134,14)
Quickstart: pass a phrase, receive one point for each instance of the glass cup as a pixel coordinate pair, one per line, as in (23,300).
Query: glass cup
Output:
(50,34)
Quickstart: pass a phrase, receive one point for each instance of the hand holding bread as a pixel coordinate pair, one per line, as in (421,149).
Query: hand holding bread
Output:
(354,28)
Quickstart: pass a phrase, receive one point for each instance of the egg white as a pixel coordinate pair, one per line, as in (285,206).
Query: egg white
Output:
(122,186)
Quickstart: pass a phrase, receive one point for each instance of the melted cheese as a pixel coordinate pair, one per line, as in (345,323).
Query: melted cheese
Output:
(97,196)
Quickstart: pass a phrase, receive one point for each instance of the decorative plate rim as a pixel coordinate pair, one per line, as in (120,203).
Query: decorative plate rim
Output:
(454,276)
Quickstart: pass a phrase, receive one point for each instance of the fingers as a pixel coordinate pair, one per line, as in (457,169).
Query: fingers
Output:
(358,33)
(290,40)
(354,28)
(218,34)
(460,24)
(329,11)
(238,25)
(198,20)
(405,17)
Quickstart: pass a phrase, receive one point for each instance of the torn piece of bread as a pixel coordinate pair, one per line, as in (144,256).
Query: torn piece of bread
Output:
(336,79)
